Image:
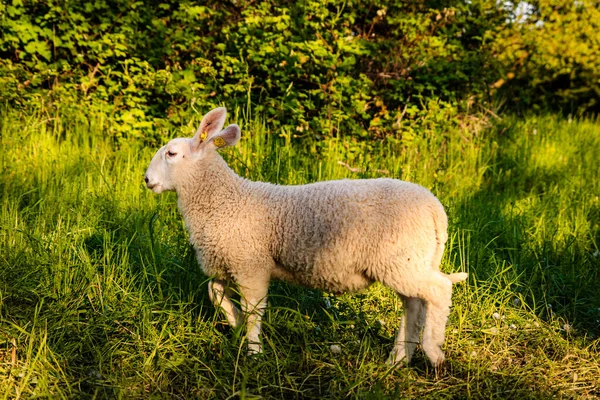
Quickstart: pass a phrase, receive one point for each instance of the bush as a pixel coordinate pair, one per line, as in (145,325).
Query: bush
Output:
(308,67)
(550,58)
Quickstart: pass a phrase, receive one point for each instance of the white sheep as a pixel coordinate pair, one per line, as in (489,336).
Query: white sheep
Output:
(337,235)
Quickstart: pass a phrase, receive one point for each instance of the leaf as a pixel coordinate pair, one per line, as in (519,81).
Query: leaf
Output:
(39,48)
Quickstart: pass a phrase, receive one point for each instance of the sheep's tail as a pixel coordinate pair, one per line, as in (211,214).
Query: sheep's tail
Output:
(457,277)
(440,222)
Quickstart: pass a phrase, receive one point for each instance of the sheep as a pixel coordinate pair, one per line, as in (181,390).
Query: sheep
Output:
(339,236)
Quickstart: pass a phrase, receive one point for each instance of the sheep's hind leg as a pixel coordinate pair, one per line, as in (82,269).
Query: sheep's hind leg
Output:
(410,331)
(220,294)
(438,299)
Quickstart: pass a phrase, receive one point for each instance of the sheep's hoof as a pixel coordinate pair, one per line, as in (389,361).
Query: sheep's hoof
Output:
(397,364)
(439,369)
(439,365)
(395,360)
(254,349)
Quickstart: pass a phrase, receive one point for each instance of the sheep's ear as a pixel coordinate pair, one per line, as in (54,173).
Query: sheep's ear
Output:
(211,124)
(227,137)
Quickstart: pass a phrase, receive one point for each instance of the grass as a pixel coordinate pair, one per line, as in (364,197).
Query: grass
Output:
(101,296)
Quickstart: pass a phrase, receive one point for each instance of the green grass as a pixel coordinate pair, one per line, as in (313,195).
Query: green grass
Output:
(101,296)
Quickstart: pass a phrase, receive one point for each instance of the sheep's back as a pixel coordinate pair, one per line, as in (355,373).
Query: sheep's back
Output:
(332,230)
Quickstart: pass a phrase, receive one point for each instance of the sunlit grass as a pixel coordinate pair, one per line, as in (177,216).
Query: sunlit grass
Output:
(100,294)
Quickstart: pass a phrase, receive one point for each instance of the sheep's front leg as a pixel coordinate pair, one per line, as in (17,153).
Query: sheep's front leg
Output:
(254,301)
(220,294)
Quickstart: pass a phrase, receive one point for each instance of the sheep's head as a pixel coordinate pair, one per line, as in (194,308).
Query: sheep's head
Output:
(179,155)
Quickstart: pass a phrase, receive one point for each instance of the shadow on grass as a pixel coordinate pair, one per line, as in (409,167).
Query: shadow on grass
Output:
(523,218)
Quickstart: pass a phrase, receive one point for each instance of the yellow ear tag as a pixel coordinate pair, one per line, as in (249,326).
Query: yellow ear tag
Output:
(219,142)
(203,135)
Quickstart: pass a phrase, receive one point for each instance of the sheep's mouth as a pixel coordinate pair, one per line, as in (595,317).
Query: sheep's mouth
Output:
(155,187)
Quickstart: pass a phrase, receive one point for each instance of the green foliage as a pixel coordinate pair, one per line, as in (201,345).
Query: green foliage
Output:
(550,57)
(311,68)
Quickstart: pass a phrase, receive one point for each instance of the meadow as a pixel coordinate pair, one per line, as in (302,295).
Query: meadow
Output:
(101,295)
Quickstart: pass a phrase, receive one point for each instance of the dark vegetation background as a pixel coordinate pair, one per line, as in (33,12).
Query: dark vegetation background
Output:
(312,68)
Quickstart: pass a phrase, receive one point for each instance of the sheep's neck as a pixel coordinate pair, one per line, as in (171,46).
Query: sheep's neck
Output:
(208,188)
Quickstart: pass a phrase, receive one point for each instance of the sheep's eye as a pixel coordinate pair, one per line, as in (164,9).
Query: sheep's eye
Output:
(171,154)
